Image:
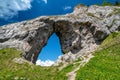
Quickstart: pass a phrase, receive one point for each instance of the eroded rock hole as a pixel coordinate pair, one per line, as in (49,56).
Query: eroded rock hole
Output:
(50,52)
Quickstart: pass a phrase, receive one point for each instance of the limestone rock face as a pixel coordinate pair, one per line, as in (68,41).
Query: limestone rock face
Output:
(79,32)
(28,36)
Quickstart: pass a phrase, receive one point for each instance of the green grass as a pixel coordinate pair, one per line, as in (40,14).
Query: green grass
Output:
(106,63)
(61,75)
(115,12)
(108,3)
(111,40)
(104,66)
(9,70)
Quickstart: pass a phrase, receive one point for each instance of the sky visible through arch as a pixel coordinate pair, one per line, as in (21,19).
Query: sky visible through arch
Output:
(18,10)
(52,49)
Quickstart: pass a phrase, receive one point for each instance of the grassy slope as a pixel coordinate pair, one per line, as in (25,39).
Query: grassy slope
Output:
(106,63)
(9,70)
(104,66)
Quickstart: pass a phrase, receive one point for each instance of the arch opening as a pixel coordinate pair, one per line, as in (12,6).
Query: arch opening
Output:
(50,52)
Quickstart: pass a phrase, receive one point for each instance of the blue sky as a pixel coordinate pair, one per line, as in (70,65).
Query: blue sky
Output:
(29,9)
(52,50)
(18,10)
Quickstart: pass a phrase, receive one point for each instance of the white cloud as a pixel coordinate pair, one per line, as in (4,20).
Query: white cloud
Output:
(45,63)
(45,1)
(10,8)
(67,7)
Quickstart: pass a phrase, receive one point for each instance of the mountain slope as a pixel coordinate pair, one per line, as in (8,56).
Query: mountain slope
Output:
(106,63)
(80,33)
(12,67)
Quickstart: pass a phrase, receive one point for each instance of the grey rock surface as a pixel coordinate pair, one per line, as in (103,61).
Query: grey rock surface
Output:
(80,32)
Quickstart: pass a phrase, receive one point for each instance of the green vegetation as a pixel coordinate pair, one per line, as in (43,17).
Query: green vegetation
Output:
(92,15)
(9,70)
(61,75)
(113,39)
(106,3)
(65,51)
(115,12)
(106,63)
(104,66)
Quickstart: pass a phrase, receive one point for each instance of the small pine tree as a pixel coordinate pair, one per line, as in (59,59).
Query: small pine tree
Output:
(117,3)
(106,3)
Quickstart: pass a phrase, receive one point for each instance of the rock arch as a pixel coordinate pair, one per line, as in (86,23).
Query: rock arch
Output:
(69,39)
(79,32)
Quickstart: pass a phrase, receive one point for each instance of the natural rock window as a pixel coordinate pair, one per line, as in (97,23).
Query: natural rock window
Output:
(79,32)
(51,50)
